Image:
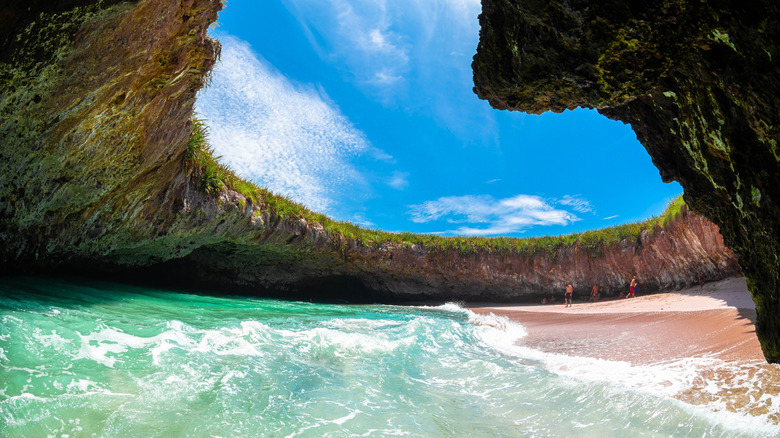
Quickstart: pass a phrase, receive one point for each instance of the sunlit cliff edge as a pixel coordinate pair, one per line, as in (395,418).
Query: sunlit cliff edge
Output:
(96,101)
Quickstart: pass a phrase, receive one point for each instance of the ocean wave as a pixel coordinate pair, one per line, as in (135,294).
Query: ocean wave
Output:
(242,367)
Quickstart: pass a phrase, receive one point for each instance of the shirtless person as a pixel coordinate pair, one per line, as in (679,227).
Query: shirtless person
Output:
(567,295)
(632,288)
(594,294)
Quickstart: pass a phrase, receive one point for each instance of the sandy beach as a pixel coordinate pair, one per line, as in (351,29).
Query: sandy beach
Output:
(716,320)
(713,326)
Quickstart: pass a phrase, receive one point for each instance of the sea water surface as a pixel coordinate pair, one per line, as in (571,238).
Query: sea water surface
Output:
(89,358)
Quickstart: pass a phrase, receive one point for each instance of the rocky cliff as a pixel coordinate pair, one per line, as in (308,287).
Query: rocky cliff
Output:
(699,82)
(662,259)
(94,112)
(95,106)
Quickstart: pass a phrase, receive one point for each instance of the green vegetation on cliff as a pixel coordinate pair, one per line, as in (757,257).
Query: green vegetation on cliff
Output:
(212,177)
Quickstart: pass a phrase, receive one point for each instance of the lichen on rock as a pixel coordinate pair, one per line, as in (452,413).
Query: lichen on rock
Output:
(96,106)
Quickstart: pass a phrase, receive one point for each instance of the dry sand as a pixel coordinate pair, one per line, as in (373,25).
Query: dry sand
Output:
(717,320)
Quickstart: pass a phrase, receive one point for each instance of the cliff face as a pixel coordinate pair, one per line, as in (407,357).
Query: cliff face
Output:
(699,82)
(95,105)
(662,260)
(96,98)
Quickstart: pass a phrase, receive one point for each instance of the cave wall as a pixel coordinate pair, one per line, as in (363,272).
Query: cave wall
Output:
(662,259)
(699,82)
(94,118)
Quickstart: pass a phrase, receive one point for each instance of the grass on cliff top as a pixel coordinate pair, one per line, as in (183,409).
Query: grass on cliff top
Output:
(212,177)
(594,242)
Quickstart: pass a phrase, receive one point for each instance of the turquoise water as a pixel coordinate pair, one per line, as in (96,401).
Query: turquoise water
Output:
(87,358)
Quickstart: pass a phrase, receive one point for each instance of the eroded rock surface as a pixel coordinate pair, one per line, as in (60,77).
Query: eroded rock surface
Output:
(699,82)
(94,115)
(662,260)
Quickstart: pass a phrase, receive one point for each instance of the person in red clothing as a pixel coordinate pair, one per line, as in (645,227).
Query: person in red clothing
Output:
(632,288)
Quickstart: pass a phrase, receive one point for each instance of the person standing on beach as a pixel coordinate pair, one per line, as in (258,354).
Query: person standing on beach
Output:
(632,288)
(594,294)
(567,295)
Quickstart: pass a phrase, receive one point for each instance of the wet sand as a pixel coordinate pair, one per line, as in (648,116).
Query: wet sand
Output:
(717,320)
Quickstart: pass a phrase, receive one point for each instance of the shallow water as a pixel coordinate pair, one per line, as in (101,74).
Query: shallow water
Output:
(88,358)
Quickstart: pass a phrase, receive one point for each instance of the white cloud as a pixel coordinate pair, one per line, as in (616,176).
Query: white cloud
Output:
(611,217)
(377,41)
(385,77)
(503,216)
(362,221)
(380,155)
(577,203)
(358,35)
(283,136)
(399,180)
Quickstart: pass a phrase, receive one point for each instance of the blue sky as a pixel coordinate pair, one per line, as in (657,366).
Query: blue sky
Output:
(364,110)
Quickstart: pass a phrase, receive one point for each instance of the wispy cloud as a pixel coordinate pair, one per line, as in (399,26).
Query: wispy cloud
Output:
(380,155)
(287,137)
(378,40)
(577,203)
(611,217)
(357,34)
(359,219)
(399,180)
(502,216)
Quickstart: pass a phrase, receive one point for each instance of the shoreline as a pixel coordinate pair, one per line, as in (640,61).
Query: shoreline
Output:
(714,326)
(716,320)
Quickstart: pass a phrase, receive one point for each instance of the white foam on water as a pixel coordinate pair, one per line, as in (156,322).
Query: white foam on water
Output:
(52,340)
(98,352)
(498,331)
(26,396)
(105,340)
(346,343)
(454,308)
(232,341)
(80,385)
(243,364)
(177,335)
(33,372)
(8,318)
(247,339)
(749,389)
(321,422)
(231,375)
(346,418)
